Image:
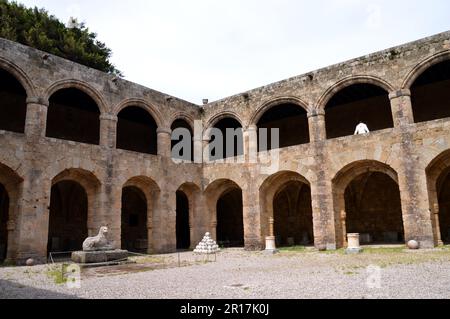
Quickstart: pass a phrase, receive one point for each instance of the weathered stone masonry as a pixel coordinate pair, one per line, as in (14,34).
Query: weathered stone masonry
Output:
(340,173)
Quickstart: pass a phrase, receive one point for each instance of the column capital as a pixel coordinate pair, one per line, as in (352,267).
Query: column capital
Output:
(316,113)
(37,100)
(252,127)
(108,117)
(399,93)
(164,131)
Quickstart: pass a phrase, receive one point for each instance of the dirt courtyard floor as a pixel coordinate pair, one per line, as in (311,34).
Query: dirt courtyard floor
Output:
(295,273)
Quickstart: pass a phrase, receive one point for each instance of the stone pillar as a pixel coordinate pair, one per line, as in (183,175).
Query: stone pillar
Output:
(271,246)
(11,249)
(108,130)
(164,222)
(344,226)
(33,217)
(417,219)
(198,150)
(252,218)
(437,224)
(401,106)
(414,195)
(213,227)
(36,120)
(321,188)
(317,128)
(164,142)
(251,144)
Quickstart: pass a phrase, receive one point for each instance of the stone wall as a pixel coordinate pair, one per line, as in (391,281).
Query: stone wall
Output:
(30,163)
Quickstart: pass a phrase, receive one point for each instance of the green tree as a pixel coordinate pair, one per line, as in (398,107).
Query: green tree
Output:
(37,28)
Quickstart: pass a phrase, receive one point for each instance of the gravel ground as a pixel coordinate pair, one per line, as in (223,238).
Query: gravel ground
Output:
(249,275)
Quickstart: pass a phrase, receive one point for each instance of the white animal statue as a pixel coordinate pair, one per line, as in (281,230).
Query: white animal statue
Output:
(362,129)
(99,242)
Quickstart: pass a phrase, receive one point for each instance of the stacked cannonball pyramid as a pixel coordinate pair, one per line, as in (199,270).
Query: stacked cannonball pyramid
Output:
(207,246)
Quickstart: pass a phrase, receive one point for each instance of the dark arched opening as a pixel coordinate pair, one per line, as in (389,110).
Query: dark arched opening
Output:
(293,215)
(366,103)
(4,215)
(232,142)
(443,188)
(13,103)
(292,122)
(185,154)
(230,221)
(137,131)
(134,220)
(74,116)
(373,209)
(183,229)
(68,217)
(430,93)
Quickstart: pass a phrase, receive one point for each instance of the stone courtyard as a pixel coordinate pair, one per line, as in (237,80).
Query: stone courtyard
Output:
(81,149)
(296,273)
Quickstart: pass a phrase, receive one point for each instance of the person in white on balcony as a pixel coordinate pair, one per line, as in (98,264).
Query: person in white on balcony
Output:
(362,129)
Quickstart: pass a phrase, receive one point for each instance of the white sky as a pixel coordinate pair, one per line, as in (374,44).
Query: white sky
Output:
(195,49)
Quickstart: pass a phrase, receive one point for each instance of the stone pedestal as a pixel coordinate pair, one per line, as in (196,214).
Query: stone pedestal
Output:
(271,247)
(95,257)
(353,244)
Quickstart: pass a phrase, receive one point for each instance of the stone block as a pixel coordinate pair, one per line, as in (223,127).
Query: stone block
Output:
(94,257)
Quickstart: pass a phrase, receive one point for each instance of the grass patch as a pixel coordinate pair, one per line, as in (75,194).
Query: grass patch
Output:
(58,273)
(147,260)
(383,250)
(294,249)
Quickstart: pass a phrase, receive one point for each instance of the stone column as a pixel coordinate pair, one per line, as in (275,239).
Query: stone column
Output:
(417,219)
(213,227)
(437,224)
(108,130)
(164,222)
(252,218)
(33,217)
(251,144)
(401,106)
(11,249)
(164,142)
(317,128)
(36,120)
(344,226)
(321,188)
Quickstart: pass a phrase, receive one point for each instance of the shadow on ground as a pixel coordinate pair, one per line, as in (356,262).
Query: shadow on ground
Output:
(11,290)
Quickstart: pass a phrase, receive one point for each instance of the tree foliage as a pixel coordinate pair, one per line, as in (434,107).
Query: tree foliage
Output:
(37,28)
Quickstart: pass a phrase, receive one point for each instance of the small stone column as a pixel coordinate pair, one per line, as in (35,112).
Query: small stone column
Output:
(344,226)
(251,144)
(353,244)
(317,128)
(108,130)
(164,142)
(271,247)
(437,225)
(36,120)
(401,106)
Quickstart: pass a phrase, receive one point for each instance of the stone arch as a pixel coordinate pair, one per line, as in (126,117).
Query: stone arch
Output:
(150,189)
(13,102)
(356,100)
(20,75)
(422,66)
(182,116)
(223,121)
(183,121)
(284,114)
(188,225)
(438,182)
(364,172)
(137,129)
(270,189)
(220,116)
(11,185)
(213,194)
(74,209)
(429,84)
(266,106)
(74,112)
(83,87)
(150,108)
(348,81)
